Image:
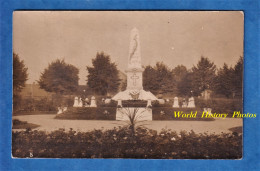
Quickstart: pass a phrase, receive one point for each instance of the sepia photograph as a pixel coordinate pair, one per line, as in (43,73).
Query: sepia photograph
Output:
(128,84)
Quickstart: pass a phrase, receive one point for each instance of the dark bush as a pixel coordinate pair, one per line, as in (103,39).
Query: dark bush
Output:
(43,104)
(113,103)
(221,105)
(166,104)
(89,113)
(168,113)
(17,124)
(121,143)
(109,113)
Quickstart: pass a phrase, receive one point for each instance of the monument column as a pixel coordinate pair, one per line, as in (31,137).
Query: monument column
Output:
(135,70)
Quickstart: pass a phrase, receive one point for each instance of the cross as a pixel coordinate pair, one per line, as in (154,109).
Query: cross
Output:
(134,77)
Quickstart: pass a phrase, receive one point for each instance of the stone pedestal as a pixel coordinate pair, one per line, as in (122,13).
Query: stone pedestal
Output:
(149,103)
(191,103)
(107,101)
(80,103)
(59,110)
(86,102)
(76,102)
(175,102)
(161,101)
(143,114)
(93,102)
(119,103)
(134,79)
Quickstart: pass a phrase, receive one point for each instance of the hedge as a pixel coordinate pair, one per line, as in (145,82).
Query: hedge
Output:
(167,113)
(89,113)
(221,105)
(98,113)
(121,143)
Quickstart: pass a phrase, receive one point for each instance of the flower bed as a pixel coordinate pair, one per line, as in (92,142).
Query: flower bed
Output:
(121,143)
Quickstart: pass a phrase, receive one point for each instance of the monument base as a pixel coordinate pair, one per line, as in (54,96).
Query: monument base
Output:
(140,95)
(142,114)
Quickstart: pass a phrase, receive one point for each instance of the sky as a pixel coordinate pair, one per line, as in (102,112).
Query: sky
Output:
(172,37)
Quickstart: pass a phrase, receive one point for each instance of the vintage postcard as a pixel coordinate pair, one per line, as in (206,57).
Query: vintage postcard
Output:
(128,84)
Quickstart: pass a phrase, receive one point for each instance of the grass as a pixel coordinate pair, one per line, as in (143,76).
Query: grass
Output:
(17,124)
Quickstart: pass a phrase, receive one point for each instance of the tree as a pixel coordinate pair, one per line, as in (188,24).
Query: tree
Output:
(237,80)
(149,79)
(60,78)
(103,76)
(20,76)
(183,79)
(224,81)
(203,75)
(158,79)
(184,87)
(179,72)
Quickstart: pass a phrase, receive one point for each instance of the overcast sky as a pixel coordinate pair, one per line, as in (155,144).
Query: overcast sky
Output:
(172,37)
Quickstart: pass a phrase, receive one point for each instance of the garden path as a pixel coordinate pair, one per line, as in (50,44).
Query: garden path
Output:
(48,123)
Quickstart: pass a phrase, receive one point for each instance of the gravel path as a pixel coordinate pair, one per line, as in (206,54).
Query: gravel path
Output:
(48,123)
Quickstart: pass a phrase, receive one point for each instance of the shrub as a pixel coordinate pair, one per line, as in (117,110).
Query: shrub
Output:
(89,113)
(221,105)
(43,104)
(167,113)
(17,124)
(120,143)
(166,104)
(113,103)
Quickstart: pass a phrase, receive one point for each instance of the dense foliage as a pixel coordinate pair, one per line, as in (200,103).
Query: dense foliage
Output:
(20,76)
(221,105)
(229,81)
(203,75)
(103,76)
(183,79)
(60,78)
(43,104)
(17,124)
(225,81)
(168,113)
(122,143)
(89,113)
(158,79)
